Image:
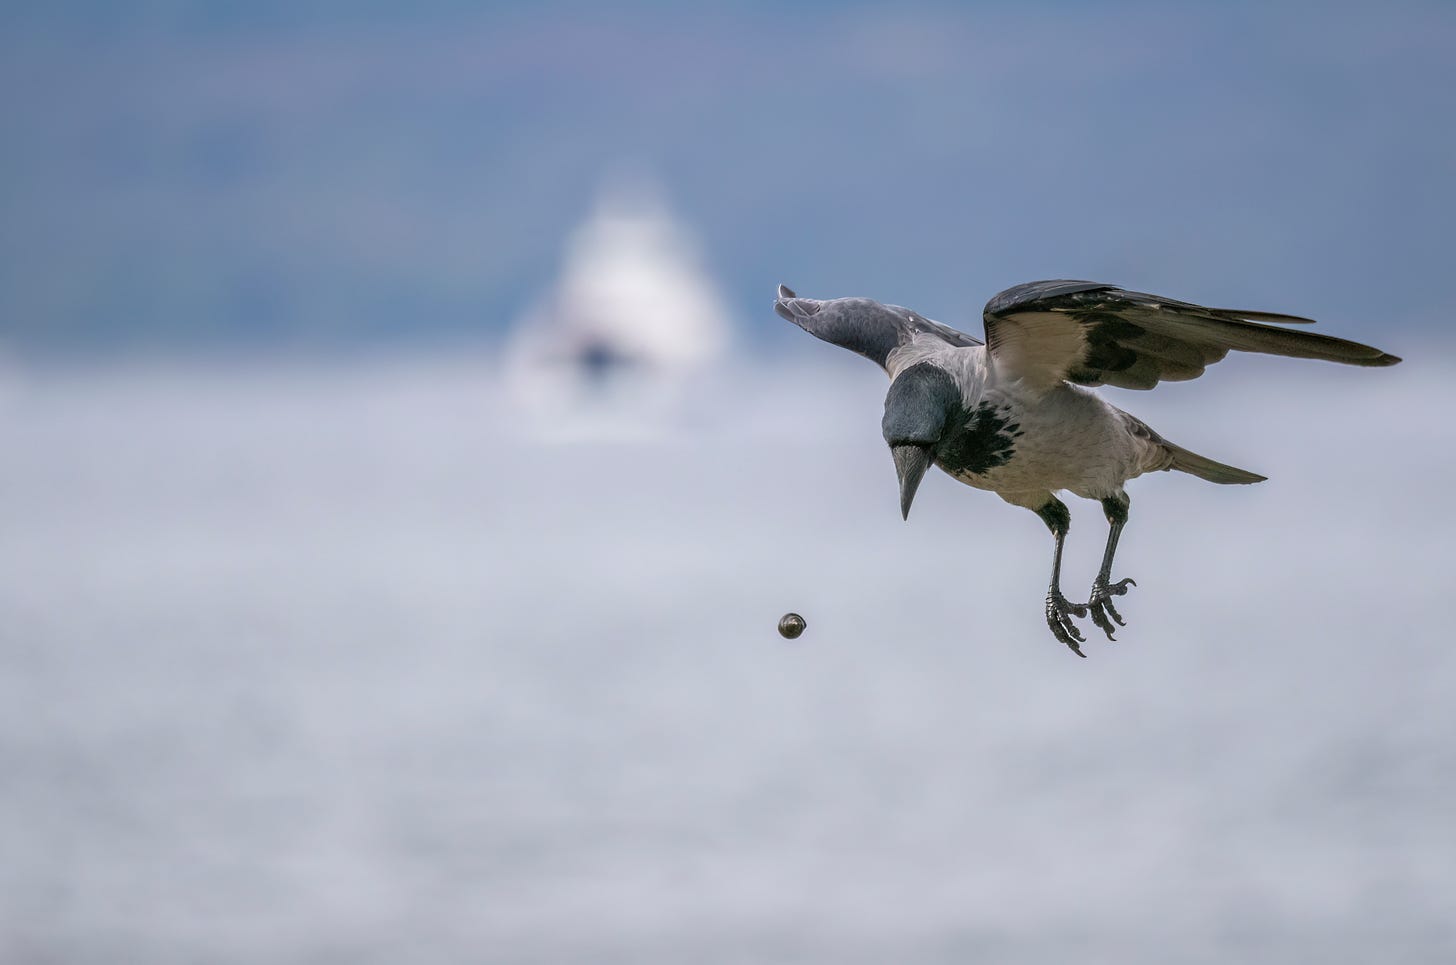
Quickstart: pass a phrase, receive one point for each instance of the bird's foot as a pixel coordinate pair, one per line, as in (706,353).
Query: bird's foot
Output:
(1100,604)
(1059,613)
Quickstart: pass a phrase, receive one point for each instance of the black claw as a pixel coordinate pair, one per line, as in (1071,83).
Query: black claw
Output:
(1112,612)
(1072,630)
(1059,630)
(1104,614)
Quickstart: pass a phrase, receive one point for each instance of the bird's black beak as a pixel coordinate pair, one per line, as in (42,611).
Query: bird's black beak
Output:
(793,308)
(911,461)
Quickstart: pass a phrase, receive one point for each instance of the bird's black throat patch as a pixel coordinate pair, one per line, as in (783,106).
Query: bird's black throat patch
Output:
(979,440)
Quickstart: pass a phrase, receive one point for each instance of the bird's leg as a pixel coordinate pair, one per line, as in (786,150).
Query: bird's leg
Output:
(1059,610)
(1100,602)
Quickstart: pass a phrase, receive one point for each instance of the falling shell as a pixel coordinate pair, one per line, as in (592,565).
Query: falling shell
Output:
(791,626)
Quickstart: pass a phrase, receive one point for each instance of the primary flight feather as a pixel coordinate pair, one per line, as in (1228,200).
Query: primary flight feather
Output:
(1009,415)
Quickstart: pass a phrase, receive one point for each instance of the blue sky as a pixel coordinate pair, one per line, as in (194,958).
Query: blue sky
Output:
(181,175)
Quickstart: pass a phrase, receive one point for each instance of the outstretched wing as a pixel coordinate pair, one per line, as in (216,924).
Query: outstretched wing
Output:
(1095,334)
(863,325)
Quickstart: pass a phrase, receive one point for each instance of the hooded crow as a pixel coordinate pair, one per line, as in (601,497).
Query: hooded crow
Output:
(1010,414)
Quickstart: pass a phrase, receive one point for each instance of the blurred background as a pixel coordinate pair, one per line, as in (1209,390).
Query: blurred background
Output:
(406,473)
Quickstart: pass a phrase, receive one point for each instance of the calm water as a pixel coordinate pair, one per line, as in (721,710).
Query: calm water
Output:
(308,665)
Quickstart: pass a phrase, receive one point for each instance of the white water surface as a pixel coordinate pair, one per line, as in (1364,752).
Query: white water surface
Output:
(307,664)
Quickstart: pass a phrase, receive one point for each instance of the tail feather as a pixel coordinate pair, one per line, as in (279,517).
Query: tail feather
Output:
(1205,468)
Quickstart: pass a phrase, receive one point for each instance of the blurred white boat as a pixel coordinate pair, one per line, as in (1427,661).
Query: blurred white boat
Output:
(631,324)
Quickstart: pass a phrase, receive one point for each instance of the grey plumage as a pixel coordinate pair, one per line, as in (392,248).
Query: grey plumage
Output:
(1008,415)
(862,325)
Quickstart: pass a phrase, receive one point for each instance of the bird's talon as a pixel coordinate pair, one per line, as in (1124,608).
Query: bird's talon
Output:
(1059,613)
(1104,614)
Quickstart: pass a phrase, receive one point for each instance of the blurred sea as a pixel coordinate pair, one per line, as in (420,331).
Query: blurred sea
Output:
(328,663)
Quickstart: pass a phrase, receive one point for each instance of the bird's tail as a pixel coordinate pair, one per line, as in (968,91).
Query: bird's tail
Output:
(1205,468)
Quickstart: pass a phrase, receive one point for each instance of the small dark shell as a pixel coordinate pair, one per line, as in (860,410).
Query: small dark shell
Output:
(791,626)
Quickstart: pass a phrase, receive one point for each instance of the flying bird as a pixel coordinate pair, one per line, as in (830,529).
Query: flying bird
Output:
(1010,414)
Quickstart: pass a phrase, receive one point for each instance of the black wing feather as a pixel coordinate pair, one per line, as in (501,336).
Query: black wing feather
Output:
(1097,334)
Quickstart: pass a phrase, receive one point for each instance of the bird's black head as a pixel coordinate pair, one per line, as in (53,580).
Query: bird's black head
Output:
(918,410)
(862,325)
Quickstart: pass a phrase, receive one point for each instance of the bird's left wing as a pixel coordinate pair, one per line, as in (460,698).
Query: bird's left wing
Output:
(1095,334)
(865,326)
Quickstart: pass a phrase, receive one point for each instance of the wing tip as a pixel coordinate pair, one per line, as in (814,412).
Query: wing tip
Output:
(1377,359)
